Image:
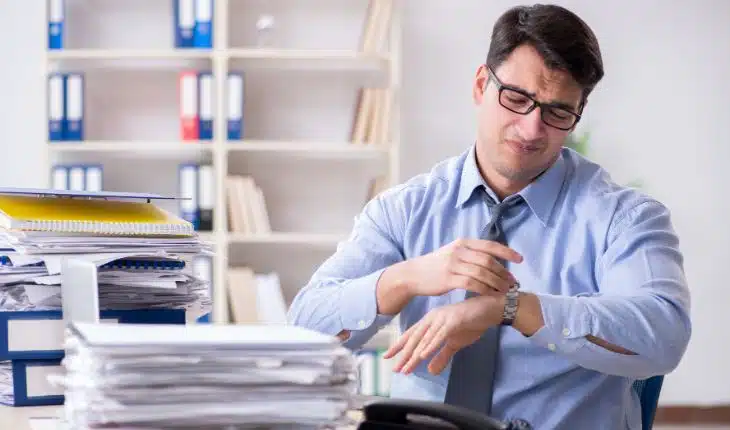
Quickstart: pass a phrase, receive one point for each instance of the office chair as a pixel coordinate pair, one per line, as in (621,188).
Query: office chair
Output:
(395,414)
(648,391)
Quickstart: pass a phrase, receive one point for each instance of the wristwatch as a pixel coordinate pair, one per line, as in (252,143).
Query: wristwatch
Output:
(510,305)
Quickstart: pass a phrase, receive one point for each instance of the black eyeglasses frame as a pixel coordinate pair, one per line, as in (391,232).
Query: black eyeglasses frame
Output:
(535,104)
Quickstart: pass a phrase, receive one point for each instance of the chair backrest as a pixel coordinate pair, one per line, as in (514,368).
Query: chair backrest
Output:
(648,391)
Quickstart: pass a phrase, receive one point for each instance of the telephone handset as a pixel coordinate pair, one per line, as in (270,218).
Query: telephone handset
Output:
(402,414)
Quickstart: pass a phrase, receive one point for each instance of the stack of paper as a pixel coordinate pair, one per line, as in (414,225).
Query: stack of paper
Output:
(141,250)
(144,275)
(131,281)
(205,376)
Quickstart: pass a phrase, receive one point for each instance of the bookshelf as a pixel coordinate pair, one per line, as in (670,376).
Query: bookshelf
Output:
(332,136)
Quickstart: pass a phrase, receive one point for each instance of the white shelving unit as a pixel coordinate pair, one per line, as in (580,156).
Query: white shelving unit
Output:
(140,150)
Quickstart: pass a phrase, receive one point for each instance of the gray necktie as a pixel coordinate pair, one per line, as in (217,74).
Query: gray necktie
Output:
(467,388)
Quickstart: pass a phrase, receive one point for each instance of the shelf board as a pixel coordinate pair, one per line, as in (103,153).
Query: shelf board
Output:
(311,57)
(287,238)
(309,149)
(128,54)
(132,149)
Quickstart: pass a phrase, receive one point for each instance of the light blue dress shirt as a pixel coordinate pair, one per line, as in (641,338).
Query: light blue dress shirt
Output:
(603,260)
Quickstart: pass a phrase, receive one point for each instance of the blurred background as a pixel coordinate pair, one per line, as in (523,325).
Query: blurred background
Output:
(282,117)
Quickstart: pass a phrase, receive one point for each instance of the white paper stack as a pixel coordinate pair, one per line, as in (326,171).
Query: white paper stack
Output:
(126,281)
(205,377)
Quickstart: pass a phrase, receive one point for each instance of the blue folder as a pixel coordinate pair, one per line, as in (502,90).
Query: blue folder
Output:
(31,388)
(39,334)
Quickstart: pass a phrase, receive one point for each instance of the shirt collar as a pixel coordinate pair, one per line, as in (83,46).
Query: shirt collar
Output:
(540,195)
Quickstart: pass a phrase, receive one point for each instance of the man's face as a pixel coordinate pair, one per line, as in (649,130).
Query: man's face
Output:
(514,148)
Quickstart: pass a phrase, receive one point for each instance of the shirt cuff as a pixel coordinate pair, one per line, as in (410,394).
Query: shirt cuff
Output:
(567,323)
(359,307)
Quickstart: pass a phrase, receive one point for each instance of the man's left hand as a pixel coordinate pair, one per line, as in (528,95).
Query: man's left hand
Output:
(449,328)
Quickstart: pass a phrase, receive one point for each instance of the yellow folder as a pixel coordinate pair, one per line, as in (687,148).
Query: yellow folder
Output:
(92,216)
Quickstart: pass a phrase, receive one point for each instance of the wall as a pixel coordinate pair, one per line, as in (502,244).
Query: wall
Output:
(663,96)
(659,115)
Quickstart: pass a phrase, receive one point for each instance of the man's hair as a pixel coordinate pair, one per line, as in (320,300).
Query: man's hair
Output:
(563,40)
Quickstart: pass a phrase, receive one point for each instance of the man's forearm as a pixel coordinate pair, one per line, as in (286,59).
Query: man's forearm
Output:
(394,289)
(529,320)
(392,292)
(648,333)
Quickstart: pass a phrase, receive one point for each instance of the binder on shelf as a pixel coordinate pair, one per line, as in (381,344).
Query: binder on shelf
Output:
(184,14)
(76,178)
(206,197)
(93,177)
(205,105)
(74,129)
(189,105)
(26,383)
(234,91)
(188,183)
(59,177)
(55,24)
(203,32)
(56,106)
(39,334)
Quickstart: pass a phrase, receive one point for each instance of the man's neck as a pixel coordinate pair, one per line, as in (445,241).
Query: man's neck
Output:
(504,187)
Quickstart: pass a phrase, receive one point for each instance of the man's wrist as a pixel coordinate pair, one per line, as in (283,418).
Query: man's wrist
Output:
(394,289)
(529,318)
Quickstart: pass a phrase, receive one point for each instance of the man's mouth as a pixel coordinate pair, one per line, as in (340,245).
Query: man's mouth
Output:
(522,147)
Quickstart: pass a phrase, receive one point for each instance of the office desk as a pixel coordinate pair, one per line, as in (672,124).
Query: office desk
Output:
(18,418)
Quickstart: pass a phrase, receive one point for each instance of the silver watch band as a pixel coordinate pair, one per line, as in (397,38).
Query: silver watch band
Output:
(510,305)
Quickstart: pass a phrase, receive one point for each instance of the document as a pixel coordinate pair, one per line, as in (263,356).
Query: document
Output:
(207,376)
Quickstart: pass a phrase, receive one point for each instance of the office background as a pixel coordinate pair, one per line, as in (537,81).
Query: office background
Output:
(659,116)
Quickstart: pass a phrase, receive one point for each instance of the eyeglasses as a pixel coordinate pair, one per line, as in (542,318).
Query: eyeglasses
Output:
(518,101)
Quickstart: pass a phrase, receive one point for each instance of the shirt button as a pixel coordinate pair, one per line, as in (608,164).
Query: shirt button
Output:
(362,323)
(566,332)
(551,346)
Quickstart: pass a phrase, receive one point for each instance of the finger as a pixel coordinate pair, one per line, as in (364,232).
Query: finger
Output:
(411,344)
(436,342)
(399,344)
(493,248)
(486,262)
(441,360)
(415,358)
(427,338)
(481,280)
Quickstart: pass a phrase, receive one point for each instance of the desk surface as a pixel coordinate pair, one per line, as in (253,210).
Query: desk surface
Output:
(19,418)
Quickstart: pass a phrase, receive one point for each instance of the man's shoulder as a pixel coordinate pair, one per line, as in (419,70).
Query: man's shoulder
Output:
(594,191)
(435,184)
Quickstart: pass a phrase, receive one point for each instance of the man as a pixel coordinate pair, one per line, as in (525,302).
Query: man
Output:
(585,287)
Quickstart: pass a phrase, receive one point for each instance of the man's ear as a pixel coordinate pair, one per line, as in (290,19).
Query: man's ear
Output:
(480,84)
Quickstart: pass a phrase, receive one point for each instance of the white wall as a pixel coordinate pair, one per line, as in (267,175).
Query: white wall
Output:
(664,95)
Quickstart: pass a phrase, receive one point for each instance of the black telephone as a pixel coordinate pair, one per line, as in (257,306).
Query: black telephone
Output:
(401,414)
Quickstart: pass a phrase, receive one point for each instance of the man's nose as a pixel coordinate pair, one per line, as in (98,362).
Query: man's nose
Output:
(531,125)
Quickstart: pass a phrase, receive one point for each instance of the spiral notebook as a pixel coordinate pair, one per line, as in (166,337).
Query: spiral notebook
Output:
(90,216)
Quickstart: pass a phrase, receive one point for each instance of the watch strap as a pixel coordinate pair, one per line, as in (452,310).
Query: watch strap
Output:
(510,305)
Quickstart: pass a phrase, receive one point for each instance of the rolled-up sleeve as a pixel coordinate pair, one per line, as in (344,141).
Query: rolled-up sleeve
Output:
(643,303)
(341,295)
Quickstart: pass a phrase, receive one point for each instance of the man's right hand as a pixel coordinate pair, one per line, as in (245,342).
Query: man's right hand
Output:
(470,264)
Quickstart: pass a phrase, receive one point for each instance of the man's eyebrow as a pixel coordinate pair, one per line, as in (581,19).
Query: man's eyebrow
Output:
(554,103)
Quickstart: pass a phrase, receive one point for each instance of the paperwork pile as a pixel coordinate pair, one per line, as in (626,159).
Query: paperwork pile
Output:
(205,376)
(141,272)
(140,249)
